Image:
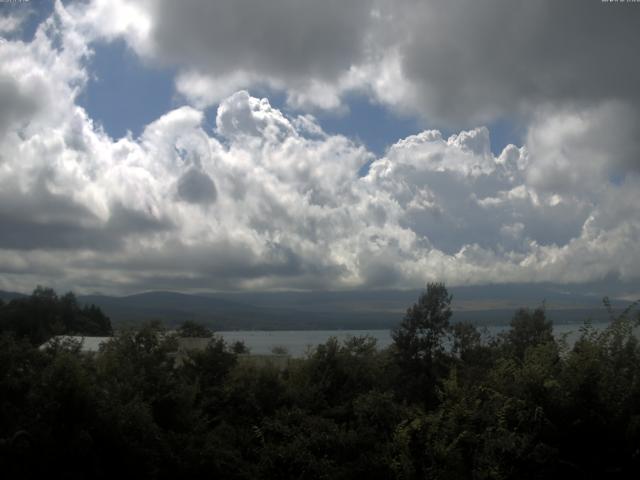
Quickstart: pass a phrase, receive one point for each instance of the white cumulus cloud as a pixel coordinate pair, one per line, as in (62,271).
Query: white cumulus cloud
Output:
(268,200)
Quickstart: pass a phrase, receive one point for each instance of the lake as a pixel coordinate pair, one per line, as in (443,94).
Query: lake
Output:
(298,342)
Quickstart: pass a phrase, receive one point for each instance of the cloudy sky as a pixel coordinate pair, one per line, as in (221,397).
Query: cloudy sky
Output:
(304,144)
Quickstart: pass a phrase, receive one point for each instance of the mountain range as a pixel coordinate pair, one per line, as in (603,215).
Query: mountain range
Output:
(484,305)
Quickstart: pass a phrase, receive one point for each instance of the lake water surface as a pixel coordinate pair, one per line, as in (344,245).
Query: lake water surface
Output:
(298,342)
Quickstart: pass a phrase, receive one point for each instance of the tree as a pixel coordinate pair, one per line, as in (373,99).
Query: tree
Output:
(528,329)
(239,348)
(418,342)
(279,350)
(189,328)
(473,356)
(44,314)
(466,341)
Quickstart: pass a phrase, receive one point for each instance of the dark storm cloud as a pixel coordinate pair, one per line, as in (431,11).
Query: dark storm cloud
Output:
(39,219)
(195,186)
(473,61)
(281,37)
(468,61)
(220,264)
(124,221)
(460,63)
(43,220)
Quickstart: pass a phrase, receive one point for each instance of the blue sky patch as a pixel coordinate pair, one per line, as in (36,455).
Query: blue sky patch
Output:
(372,124)
(123,94)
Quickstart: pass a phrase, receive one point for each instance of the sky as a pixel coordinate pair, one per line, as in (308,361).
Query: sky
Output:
(303,145)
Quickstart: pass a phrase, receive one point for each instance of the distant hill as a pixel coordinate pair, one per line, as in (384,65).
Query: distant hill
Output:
(489,297)
(7,296)
(488,304)
(484,305)
(172,308)
(224,314)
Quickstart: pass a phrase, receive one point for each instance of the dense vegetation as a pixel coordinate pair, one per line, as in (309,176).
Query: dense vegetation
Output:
(441,402)
(45,314)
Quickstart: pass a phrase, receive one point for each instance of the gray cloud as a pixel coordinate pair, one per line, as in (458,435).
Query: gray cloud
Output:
(577,149)
(455,64)
(195,186)
(481,59)
(125,221)
(461,62)
(39,219)
(282,38)
(291,210)
(16,106)
(222,264)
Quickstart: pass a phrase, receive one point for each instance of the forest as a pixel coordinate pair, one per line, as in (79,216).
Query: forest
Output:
(442,402)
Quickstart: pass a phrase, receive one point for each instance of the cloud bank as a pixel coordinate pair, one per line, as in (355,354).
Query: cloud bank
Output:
(268,200)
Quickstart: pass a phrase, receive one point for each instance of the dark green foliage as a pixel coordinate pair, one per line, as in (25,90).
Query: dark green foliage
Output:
(528,329)
(334,372)
(190,328)
(419,344)
(239,347)
(45,314)
(443,402)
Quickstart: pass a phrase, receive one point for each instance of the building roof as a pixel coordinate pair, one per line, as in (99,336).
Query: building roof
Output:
(87,344)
